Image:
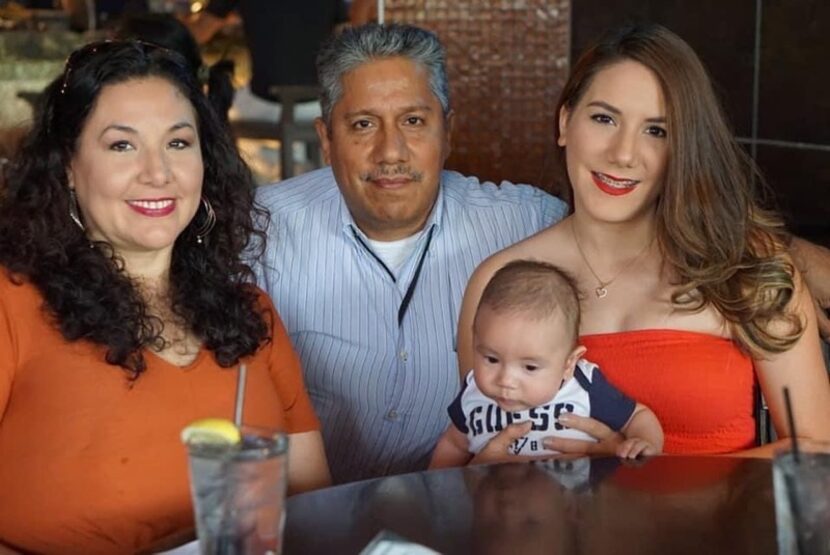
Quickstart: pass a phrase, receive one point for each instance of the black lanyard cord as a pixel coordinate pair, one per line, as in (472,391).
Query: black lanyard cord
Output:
(407,298)
(376,257)
(412,284)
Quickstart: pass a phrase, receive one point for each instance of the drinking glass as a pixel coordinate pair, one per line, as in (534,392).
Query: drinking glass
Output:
(238,493)
(802,503)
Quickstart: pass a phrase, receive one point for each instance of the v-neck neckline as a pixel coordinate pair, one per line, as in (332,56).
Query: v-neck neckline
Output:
(190,366)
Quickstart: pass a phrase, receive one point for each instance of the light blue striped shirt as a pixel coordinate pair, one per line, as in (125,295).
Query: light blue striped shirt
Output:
(381,389)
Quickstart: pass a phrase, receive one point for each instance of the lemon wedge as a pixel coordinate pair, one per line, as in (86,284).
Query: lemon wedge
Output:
(211,431)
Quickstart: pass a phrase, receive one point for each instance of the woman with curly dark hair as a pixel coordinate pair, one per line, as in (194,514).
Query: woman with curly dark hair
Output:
(126,306)
(691,298)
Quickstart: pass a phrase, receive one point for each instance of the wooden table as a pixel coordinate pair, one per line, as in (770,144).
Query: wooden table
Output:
(666,505)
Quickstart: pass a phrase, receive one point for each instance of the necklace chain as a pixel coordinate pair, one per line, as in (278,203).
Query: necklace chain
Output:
(602,289)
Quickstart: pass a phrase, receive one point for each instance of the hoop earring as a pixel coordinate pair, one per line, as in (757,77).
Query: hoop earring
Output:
(210,220)
(74,212)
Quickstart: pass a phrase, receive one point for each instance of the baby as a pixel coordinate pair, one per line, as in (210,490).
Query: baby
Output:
(529,367)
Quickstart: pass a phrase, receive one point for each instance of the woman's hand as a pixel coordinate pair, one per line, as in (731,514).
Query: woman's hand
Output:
(635,447)
(607,440)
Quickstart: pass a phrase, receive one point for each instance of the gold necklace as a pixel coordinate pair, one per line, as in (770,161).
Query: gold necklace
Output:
(602,289)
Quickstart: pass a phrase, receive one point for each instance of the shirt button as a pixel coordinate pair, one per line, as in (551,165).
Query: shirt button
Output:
(392,415)
(404,356)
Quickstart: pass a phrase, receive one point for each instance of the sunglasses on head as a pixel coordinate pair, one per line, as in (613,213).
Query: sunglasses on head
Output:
(83,55)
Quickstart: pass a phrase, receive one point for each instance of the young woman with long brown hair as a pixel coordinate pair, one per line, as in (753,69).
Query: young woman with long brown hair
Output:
(689,296)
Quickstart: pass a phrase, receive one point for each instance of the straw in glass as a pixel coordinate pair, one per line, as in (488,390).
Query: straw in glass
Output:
(789,479)
(226,544)
(240,395)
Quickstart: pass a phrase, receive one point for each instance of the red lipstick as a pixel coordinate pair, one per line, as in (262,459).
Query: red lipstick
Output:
(608,189)
(153,208)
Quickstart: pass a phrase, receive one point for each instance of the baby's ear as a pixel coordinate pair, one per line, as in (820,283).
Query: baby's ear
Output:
(570,362)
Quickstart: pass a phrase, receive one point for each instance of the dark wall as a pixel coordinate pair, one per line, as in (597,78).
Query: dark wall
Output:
(770,60)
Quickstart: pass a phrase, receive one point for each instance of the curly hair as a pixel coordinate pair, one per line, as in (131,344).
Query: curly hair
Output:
(84,284)
(725,249)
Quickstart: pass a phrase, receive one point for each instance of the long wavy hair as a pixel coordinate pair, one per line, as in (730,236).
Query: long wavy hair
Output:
(724,248)
(84,284)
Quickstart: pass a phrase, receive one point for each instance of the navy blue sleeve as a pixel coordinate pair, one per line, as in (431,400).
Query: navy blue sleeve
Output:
(456,414)
(608,404)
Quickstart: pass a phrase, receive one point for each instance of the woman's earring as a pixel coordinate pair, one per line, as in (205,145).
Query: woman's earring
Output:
(74,213)
(210,221)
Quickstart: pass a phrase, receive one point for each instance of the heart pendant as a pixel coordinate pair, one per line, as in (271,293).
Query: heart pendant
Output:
(601,292)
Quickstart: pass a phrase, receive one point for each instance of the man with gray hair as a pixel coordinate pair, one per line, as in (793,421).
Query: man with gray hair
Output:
(367,260)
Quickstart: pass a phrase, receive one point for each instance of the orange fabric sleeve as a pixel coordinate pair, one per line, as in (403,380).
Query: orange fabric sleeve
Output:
(8,353)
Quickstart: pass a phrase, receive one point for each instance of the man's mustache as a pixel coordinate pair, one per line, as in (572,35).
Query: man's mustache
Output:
(401,170)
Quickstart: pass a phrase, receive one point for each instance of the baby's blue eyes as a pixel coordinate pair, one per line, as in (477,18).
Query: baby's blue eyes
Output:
(526,367)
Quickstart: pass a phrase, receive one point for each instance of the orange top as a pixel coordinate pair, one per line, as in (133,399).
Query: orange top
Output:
(90,463)
(699,386)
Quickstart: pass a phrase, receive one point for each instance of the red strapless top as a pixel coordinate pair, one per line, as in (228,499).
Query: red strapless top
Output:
(700,386)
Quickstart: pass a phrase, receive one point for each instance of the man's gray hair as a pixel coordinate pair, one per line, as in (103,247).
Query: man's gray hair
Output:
(358,45)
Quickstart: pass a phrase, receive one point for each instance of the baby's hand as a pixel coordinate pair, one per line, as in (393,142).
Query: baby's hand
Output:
(634,447)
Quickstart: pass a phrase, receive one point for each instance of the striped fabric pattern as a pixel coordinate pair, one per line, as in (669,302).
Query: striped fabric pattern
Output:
(381,389)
